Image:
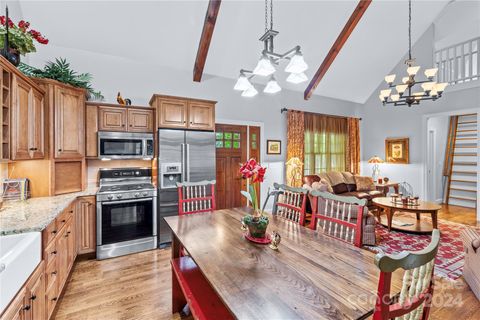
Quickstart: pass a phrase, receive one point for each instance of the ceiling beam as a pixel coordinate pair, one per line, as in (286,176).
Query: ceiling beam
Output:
(337,46)
(204,44)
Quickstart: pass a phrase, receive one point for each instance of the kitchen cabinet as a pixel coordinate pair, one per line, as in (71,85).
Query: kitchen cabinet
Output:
(91,131)
(27,120)
(201,116)
(69,123)
(112,119)
(184,113)
(86,225)
(29,303)
(140,120)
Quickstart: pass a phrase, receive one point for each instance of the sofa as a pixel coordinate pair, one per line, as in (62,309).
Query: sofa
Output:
(471,270)
(343,184)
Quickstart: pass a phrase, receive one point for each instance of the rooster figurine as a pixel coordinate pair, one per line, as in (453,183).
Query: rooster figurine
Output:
(120,99)
(276,238)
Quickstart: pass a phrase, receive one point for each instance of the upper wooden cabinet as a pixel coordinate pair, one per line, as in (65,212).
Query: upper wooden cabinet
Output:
(69,119)
(28,118)
(112,119)
(185,113)
(140,120)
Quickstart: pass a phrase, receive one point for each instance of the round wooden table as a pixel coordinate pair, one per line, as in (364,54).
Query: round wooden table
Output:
(405,222)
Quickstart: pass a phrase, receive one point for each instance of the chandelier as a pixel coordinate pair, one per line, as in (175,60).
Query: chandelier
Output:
(268,60)
(406,93)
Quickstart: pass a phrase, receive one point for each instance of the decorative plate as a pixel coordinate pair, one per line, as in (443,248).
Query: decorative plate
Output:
(265,240)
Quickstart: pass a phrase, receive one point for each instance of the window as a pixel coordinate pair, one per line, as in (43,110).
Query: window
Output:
(324,152)
(459,63)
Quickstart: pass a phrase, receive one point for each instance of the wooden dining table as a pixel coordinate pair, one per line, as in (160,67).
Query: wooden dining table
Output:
(310,276)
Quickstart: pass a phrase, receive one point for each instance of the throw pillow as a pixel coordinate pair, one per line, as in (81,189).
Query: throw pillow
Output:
(319,186)
(364,183)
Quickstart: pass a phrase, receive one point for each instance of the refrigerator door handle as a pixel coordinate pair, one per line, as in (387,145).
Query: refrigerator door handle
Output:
(183,161)
(188,162)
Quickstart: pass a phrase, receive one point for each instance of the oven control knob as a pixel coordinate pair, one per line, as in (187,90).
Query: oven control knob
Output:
(110,196)
(137,194)
(119,196)
(145,194)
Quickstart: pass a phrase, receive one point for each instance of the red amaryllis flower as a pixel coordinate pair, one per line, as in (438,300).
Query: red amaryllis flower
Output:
(23,25)
(42,40)
(260,174)
(251,169)
(3,19)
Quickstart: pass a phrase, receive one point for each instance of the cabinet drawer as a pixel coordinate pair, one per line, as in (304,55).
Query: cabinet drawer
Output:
(63,217)
(51,298)
(51,274)
(49,233)
(50,253)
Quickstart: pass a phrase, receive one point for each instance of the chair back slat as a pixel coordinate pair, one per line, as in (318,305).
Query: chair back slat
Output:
(337,216)
(195,197)
(290,203)
(414,300)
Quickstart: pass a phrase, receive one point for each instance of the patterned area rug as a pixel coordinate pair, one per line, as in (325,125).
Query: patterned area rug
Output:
(450,258)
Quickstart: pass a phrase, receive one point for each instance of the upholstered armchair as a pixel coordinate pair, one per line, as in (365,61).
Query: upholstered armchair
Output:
(471,270)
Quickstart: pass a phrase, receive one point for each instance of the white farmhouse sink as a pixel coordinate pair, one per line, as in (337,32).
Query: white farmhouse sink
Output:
(20,254)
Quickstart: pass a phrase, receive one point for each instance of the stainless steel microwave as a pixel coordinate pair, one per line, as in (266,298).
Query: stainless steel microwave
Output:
(125,145)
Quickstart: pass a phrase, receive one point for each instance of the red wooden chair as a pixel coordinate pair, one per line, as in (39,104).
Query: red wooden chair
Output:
(415,298)
(339,217)
(196,197)
(290,203)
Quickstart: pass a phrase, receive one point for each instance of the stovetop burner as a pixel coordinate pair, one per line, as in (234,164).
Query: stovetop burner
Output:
(126,187)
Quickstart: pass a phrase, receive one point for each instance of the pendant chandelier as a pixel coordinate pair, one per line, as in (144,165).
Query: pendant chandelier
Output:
(406,94)
(268,60)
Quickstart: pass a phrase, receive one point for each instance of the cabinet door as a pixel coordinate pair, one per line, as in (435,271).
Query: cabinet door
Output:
(51,298)
(69,123)
(71,244)
(37,125)
(62,257)
(112,119)
(16,310)
(201,116)
(21,113)
(91,131)
(140,120)
(172,113)
(36,294)
(86,225)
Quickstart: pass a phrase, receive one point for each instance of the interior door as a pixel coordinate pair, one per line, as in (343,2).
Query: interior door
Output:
(231,151)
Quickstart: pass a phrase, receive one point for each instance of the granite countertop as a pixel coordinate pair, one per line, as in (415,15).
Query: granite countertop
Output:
(36,213)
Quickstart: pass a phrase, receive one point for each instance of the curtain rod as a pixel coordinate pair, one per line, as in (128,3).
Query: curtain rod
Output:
(320,114)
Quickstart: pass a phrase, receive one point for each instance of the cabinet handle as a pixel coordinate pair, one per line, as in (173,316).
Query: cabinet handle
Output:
(33,297)
(63,221)
(54,231)
(59,150)
(26,308)
(54,272)
(54,252)
(71,211)
(55,299)
(31,149)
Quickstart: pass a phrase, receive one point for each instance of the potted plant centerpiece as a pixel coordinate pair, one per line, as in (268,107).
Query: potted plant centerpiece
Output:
(256,222)
(18,39)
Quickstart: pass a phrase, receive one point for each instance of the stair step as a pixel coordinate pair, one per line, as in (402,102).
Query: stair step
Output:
(464,172)
(466,130)
(460,146)
(473,138)
(463,198)
(464,163)
(463,189)
(465,154)
(461,180)
(467,122)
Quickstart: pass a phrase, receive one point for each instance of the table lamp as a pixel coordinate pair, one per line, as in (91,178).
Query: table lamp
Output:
(376,167)
(294,171)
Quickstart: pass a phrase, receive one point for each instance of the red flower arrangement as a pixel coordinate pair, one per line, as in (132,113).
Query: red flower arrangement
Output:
(21,37)
(255,172)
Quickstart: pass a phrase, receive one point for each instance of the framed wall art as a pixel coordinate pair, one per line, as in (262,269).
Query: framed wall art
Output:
(396,150)
(274,147)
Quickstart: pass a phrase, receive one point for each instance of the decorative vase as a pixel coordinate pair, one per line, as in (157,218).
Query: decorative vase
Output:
(12,55)
(257,225)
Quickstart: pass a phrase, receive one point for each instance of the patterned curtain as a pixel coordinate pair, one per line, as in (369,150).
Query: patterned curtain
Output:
(295,143)
(325,143)
(353,145)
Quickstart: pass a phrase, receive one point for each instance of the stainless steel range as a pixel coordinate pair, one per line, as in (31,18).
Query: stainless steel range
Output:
(126,212)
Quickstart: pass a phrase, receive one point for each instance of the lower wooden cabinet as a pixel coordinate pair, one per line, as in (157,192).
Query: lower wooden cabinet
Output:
(86,225)
(29,303)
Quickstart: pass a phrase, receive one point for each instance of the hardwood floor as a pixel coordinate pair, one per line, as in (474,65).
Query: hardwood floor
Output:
(138,286)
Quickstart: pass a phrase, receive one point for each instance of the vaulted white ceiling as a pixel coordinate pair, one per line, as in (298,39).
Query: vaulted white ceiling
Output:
(167,33)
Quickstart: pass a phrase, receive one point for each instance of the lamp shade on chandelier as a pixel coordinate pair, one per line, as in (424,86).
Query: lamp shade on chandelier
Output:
(405,93)
(268,61)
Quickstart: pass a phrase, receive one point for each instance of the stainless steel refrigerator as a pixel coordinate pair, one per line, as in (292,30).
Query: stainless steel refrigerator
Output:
(183,155)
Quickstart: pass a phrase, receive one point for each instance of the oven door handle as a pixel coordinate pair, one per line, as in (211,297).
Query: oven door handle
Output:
(127,201)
